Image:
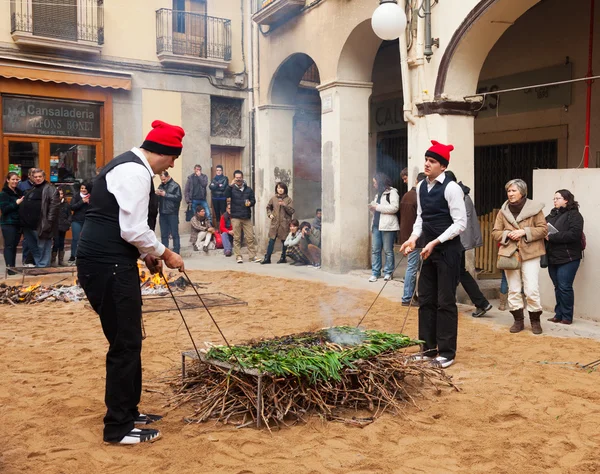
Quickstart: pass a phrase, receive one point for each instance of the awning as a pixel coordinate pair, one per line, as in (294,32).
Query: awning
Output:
(45,72)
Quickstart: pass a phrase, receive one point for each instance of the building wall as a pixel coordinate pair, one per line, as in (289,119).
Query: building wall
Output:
(544,49)
(136,41)
(583,184)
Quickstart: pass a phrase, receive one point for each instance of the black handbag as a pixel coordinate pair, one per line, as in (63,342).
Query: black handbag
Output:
(189,213)
(544,261)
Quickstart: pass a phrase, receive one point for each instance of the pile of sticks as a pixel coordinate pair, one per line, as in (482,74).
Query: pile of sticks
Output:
(386,382)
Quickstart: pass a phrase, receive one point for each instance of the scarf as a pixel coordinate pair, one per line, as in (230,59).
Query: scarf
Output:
(516,208)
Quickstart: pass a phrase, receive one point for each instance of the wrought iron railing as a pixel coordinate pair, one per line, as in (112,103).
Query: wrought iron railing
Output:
(193,34)
(73,20)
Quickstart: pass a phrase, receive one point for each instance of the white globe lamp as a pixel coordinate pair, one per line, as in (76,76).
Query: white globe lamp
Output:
(388,20)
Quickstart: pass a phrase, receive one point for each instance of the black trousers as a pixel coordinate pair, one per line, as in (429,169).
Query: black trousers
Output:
(471,286)
(438,314)
(114,293)
(219,206)
(271,247)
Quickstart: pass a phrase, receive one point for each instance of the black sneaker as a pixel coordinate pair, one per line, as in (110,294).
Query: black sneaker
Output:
(481,311)
(146,419)
(71,258)
(205,248)
(136,436)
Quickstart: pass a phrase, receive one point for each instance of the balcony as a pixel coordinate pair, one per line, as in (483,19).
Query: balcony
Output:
(68,25)
(184,38)
(269,12)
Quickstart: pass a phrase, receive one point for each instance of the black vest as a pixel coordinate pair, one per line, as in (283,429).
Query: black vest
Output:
(100,239)
(435,213)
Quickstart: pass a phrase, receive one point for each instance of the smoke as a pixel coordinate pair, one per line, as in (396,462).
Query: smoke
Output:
(345,337)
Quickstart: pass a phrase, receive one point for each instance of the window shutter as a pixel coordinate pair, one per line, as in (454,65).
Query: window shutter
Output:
(55,18)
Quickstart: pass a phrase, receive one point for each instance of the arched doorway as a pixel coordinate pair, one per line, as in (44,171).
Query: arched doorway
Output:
(294,87)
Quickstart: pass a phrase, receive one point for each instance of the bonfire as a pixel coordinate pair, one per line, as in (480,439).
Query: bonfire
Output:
(331,372)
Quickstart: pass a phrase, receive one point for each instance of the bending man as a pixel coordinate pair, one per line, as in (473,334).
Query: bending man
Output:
(118,230)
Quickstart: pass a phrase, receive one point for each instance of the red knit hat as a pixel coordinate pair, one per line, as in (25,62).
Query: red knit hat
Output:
(164,139)
(440,152)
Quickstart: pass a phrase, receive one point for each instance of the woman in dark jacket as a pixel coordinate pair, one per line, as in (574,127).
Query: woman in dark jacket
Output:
(564,250)
(10,198)
(64,223)
(79,206)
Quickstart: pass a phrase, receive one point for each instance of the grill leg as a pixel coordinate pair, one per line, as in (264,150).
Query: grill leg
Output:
(259,403)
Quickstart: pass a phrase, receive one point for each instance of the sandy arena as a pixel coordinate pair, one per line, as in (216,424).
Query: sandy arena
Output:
(523,407)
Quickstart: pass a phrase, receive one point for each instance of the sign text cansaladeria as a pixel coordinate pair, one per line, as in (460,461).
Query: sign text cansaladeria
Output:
(34,116)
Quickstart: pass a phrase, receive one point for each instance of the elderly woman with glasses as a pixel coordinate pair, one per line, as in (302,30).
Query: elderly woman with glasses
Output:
(565,250)
(521,228)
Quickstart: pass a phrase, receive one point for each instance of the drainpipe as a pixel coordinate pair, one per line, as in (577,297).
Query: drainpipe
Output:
(405,74)
(590,73)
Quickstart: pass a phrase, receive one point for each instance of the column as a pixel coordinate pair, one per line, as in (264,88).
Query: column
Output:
(274,160)
(345,171)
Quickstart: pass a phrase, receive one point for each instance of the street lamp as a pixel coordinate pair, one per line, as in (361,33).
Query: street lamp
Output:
(388,20)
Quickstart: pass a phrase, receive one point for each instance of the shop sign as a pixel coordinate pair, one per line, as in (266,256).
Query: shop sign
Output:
(528,100)
(48,117)
(387,115)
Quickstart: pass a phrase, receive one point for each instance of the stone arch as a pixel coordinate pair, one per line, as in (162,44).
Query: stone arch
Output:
(287,77)
(358,54)
(471,43)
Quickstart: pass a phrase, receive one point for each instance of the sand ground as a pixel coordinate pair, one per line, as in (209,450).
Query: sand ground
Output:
(524,406)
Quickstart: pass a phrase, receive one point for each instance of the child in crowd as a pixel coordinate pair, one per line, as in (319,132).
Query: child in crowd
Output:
(202,230)
(226,230)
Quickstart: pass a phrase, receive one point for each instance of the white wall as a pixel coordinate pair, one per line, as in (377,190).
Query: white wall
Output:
(583,183)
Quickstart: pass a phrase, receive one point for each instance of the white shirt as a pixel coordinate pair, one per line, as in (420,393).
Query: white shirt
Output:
(456,204)
(130,184)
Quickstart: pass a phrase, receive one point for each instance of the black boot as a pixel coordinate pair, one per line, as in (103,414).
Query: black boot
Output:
(283,259)
(519,324)
(270,249)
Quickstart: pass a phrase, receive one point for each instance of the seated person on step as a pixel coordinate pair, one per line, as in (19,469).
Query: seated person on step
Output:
(202,230)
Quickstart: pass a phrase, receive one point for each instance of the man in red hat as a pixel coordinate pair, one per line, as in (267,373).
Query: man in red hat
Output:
(119,229)
(441,217)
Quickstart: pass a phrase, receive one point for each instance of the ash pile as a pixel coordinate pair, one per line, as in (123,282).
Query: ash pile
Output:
(336,373)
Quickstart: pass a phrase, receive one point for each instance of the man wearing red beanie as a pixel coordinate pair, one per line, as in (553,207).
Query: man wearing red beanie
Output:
(119,229)
(441,217)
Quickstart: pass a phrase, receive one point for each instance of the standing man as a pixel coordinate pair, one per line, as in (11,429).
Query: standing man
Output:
(169,200)
(441,217)
(115,234)
(242,200)
(408,216)
(470,239)
(39,218)
(195,190)
(218,187)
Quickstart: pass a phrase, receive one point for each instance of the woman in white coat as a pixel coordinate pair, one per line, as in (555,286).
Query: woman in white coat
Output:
(384,227)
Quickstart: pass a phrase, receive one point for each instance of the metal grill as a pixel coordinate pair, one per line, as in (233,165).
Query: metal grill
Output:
(193,34)
(158,304)
(495,165)
(72,20)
